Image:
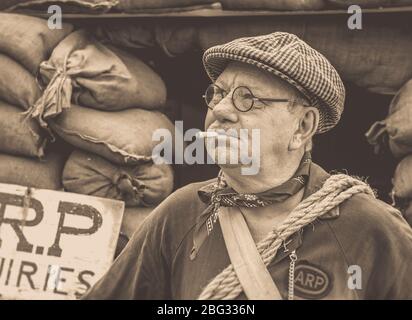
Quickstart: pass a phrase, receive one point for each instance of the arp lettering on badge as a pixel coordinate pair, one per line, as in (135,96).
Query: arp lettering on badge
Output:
(311,282)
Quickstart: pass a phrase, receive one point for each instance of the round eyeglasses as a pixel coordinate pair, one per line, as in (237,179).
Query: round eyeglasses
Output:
(243,98)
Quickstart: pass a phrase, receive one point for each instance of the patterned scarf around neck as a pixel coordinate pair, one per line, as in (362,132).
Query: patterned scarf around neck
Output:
(220,194)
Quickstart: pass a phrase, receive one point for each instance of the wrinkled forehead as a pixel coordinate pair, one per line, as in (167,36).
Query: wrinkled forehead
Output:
(259,80)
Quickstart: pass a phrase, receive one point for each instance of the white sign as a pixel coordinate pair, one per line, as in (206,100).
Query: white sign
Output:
(54,245)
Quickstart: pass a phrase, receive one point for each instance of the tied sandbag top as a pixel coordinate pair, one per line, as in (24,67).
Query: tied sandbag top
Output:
(286,56)
(84,71)
(146,184)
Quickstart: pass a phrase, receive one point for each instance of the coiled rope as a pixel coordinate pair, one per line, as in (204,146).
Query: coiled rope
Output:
(336,189)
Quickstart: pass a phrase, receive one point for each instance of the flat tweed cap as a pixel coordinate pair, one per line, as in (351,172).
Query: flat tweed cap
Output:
(290,58)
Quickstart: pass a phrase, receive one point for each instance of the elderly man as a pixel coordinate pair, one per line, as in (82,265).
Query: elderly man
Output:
(290,231)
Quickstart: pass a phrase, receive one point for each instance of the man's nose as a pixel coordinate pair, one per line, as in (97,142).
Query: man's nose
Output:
(225,111)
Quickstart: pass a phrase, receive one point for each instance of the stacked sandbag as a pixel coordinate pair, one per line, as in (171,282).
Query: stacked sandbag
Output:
(376,58)
(83,71)
(24,43)
(402,179)
(67,6)
(173,38)
(23,157)
(12,76)
(144,184)
(29,40)
(396,130)
(407,213)
(279,5)
(118,162)
(395,133)
(370,3)
(106,103)
(20,135)
(42,173)
(97,98)
(402,187)
(122,137)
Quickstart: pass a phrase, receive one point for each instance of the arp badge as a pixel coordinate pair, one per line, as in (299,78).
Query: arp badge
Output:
(311,282)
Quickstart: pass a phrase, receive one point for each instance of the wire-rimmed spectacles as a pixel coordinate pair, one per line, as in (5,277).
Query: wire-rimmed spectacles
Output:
(243,98)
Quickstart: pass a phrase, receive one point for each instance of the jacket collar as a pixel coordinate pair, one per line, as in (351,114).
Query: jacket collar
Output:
(317,177)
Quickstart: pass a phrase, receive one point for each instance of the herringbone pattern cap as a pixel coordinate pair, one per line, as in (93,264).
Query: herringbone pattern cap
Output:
(290,58)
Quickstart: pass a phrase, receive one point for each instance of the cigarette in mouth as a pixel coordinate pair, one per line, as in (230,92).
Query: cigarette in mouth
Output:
(207,134)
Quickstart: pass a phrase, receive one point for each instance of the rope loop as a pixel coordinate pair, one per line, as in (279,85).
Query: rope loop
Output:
(336,189)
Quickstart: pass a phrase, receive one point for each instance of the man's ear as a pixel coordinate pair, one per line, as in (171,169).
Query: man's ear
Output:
(307,126)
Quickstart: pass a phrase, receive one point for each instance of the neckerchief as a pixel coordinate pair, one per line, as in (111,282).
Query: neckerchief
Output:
(220,194)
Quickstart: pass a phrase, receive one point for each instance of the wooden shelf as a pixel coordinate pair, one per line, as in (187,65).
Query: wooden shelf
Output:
(218,13)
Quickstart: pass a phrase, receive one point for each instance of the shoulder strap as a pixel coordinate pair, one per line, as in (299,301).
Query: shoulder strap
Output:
(252,273)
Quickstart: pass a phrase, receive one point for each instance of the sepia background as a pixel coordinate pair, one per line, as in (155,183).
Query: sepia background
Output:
(159,45)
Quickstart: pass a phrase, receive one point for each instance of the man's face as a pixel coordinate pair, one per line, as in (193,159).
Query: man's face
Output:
(275,122)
